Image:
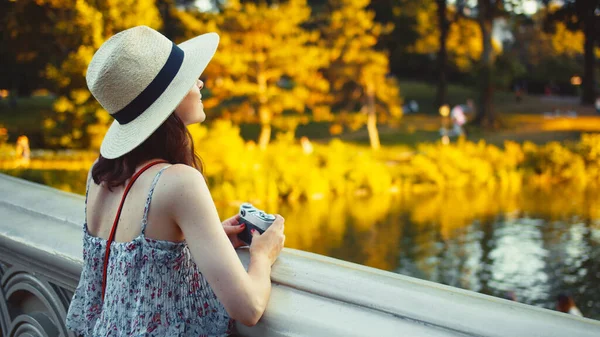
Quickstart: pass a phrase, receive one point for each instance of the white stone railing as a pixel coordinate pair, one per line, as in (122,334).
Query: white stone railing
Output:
(40,263)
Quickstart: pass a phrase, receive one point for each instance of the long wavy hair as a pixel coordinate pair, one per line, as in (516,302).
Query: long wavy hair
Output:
(171,141)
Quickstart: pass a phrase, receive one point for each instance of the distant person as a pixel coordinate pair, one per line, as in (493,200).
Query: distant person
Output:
(411,107)
(22,150)
(511,296)
(566,304)
(414,106)
(458,117)
(470,106)
(597,105)
(518,93)
(171,268)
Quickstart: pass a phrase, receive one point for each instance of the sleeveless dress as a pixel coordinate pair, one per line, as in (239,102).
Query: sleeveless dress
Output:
(153,288)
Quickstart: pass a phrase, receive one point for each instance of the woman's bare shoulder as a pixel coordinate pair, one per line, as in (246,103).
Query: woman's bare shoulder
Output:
(185,195)
(181,181)
(181,175)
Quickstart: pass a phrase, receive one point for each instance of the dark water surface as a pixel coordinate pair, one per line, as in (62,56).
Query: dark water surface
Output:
(533,243)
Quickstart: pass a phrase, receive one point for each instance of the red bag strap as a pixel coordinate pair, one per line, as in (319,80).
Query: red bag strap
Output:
(114,226)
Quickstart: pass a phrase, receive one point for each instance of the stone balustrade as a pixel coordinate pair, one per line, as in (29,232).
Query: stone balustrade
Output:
(313,295)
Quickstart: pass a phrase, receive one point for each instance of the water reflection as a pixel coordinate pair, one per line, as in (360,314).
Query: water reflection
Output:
(517,260)
(529,243)
(534,244)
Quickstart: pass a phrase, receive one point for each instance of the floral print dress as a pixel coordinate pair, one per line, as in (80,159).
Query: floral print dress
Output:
(153,288)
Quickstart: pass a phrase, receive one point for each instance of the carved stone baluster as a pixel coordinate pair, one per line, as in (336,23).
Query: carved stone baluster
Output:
(31,306)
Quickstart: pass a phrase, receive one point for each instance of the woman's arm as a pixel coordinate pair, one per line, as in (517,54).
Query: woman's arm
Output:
(243,294)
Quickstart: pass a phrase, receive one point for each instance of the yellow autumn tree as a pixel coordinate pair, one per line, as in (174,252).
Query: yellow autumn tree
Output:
(566,42)
(464,41)
(79,121)
(266,64)
(358,72)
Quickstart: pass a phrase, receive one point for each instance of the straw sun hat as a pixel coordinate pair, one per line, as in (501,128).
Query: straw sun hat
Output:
(139,76)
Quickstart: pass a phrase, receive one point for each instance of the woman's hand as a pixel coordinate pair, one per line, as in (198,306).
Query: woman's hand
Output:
(232,228)
(269,243)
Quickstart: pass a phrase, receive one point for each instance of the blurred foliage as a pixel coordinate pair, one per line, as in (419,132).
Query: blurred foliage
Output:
(357,68)
(534,52)
(273,59)
(464,41)
(244,172)
(414,43)
(549,56)
(284,63)
(554,163)
(6,150)
(296,171)
(564,41)
(403,14)
(358,71)
(28,44)
(267,63)
(463,164)
(318,64)
(507,68)
(79,118)
(551,47)
(68,180)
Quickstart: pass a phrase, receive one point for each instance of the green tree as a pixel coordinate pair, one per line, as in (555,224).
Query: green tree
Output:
(550,55)
(444,25)
(267,63)
(358,72)
(484,13)
(448,37)
(581,15)
(451,36)
(169,14)
(405,17)
(29,43)
(487,11)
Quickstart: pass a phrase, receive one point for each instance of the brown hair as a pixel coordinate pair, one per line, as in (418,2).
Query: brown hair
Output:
(564,303)
(171,141)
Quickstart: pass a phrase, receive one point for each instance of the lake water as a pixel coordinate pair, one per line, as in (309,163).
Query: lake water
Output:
(535,244)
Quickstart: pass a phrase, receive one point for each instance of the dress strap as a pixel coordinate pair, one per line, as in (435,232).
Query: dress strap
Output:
(111,237)
(149,198)
(87,191)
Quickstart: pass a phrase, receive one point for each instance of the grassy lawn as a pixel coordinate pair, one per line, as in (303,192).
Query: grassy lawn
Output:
(418,128)
(26,118)
(504,102)
(521,121)
(424,93)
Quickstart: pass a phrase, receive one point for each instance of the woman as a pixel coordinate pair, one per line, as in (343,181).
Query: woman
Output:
(171,269)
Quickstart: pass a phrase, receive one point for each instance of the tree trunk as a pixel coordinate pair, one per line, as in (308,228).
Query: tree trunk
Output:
(263,111)
(485,113)
(265,135)
(265,126)
(164,9)
(588,85)
(372,119)
(442,89)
